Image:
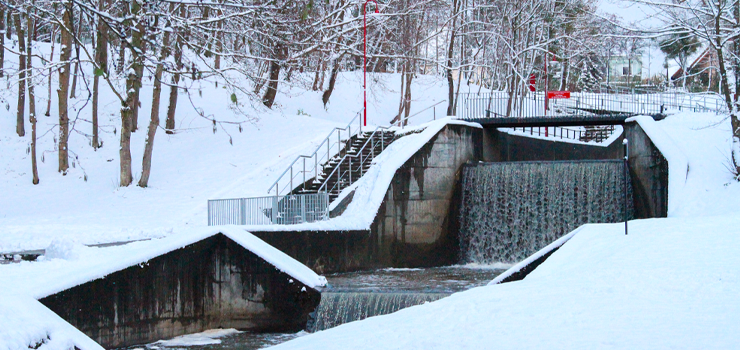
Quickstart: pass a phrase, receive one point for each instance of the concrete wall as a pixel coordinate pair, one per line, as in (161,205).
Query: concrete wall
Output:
(209,284)
(412,225)
(649,173)
(415,215)
(416,225)
(503,147)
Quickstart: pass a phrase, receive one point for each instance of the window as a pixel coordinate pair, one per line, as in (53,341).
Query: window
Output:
(626,70)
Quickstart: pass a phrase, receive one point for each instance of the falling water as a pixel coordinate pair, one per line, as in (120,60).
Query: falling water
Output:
(510,210)
(339,308)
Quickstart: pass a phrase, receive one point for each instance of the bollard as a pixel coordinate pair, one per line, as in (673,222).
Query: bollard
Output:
(626,173)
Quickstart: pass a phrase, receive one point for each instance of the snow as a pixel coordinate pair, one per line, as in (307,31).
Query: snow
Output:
(530,259)
(667,285)
(65,270)
(26,323)
(678,165)
(209,337)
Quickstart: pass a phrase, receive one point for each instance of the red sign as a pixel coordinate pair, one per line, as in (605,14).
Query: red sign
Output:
(532,82)
(558,94)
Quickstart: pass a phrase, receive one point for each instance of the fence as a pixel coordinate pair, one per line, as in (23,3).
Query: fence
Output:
(498,103)
(586,135)
(282,210)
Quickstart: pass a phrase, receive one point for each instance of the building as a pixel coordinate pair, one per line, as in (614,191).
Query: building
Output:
(623,69)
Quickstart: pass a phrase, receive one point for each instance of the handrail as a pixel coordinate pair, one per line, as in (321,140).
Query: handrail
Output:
(327,141)
(370,140)
(400,122)
(475,105)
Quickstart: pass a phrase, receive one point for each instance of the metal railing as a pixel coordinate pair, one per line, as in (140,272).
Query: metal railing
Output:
(434,116)
(498,103)
(309,167)
(596,134)
(355,162)
(282,210)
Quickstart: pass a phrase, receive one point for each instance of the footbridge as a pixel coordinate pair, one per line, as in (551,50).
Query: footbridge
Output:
(499,109)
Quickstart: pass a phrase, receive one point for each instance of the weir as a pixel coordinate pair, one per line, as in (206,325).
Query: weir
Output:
(509,210)
(343,307)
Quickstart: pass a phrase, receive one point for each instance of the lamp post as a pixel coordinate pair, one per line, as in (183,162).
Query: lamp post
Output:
(364,59)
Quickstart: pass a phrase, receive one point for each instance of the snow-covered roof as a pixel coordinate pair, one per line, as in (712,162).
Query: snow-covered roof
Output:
(68,264)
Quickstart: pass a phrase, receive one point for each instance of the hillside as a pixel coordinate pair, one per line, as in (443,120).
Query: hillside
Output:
(195,164)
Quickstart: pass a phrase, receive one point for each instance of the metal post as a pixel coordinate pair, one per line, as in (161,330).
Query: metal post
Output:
(626,173)
(243,207)
(274,212)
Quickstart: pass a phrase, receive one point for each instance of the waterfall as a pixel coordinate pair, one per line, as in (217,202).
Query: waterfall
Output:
(339,308)
(510,210)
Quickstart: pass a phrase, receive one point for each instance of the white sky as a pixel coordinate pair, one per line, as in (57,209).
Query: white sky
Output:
(640,16)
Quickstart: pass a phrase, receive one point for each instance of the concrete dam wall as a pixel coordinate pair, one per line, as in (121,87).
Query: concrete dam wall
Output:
(418,223)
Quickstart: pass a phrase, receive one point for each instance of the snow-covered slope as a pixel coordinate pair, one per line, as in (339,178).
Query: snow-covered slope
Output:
(188,168)
(670,284)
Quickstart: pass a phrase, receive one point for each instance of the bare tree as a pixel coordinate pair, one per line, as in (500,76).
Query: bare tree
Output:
(20,123)
(31,96)
(65,54)
(154,123)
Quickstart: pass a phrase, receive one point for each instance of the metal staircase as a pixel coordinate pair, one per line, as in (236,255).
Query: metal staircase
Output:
(304,190)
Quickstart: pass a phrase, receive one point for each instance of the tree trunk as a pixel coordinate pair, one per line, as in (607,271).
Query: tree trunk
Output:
(332,81)
(323,74)
(121,56)
(51,71)
(219,41)
(2,40)
(146,164)
(20,126)
(450,53)
(132,81)
(9,24)
(63,91)
(401,105)
(407,95)
(315,86)
(32,101)
(101,60)
(736,49)
(139,69)
(172,107)
(269,98)
(73,88)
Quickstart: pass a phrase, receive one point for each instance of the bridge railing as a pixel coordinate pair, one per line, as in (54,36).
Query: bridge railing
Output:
(597,135)
(498,104)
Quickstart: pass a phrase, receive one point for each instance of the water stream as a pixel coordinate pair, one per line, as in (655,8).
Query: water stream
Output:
(510,210)
(358,295)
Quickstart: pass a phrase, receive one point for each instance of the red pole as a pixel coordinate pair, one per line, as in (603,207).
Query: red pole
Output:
(364,59)
(547,82)
(364,64)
